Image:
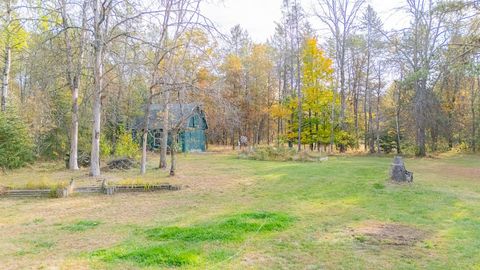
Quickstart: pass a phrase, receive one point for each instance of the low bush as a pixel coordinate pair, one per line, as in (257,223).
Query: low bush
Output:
(269,153)
(126,146)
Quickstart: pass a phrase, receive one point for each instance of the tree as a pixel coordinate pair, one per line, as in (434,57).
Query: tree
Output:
(317,94)
(422,43)
(74,71)
(339,16)
(13,38)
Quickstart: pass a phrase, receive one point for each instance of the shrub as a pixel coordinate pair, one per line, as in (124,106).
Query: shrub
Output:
(105,147)
(126,146)
(269,153)
(16,147)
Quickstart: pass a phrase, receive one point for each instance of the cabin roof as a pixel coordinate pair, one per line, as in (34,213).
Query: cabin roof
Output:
(176,112)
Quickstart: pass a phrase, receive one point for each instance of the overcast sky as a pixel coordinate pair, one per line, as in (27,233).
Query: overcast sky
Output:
(258,16)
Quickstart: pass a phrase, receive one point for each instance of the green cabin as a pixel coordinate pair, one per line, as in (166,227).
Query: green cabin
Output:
(192,121)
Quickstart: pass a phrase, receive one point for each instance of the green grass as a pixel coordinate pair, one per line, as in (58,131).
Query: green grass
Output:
(160,255)
(172,246)
(81,226)
(245,214)
(226,229)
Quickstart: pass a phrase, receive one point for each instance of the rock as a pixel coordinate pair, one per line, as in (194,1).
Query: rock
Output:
(398,172)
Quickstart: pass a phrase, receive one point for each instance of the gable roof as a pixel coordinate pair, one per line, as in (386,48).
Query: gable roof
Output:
(176,113)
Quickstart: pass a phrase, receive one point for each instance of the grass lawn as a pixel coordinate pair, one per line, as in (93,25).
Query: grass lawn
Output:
(242,214)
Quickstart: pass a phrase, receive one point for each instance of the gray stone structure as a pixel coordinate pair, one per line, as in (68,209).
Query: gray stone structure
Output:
(398,172)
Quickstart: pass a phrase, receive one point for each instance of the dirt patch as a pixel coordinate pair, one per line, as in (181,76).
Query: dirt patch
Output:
(451,172)
(388,234)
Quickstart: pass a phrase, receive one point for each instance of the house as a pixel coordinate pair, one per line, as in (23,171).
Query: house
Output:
(189,117)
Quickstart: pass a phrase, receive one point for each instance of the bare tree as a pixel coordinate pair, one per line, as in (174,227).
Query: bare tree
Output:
(178,19)
(340,17)
(423,41)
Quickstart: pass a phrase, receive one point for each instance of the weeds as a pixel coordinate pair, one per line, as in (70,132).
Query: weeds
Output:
(81,226)
(269,153)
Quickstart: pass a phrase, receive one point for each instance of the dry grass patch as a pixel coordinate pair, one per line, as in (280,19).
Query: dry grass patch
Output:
(378,233)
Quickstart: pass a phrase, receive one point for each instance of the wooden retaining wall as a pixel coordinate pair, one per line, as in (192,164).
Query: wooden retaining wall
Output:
(72,189)
(32,193)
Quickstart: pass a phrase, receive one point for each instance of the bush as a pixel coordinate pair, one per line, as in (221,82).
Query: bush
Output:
(126,146)
(105,147)
(16,147)
(269,153)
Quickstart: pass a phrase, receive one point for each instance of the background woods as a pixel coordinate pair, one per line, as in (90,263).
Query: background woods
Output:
(78,74)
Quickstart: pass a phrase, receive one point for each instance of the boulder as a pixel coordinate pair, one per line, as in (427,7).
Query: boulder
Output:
(398,172)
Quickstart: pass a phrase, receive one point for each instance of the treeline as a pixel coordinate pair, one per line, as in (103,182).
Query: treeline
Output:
(78,74)
(412,90)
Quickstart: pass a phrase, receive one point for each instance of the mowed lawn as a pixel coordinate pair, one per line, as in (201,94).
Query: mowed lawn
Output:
(242,214)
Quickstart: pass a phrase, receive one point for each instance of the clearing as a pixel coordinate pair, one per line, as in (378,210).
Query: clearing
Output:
(242,214)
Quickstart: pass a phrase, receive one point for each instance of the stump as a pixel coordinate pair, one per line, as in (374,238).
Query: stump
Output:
(398,172)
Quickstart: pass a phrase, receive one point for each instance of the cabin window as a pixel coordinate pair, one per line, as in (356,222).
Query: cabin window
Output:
(192,122)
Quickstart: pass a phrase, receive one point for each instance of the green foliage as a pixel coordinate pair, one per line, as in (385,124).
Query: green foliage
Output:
(105,147)
(81,226)
(14,34)
(126,146)
(16,147)
(318,98)
(388,142)
(345,139)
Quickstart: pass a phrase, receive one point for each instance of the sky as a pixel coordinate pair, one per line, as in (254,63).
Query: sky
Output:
(258,16)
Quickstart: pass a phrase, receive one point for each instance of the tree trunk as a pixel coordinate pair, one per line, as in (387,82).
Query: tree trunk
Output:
(173,150)
(74,77)
(332,128)
(97,93)
(164,142)
(474,118)
(146,123)
(420,138)
(420,118)
(379,92)
(397,120)
(7,59)
(6,77)
(73,162)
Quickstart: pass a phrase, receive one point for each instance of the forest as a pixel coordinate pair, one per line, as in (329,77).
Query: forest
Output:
(77,74)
